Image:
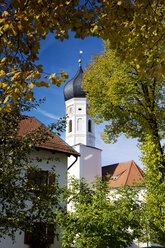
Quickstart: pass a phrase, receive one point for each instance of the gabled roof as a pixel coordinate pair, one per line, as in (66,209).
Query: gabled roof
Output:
(31,124)
(122,174)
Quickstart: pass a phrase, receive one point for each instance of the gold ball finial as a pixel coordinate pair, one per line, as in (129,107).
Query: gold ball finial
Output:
(80,58)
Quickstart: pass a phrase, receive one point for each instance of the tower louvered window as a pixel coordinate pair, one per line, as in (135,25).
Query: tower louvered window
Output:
(89,126)
(70,126)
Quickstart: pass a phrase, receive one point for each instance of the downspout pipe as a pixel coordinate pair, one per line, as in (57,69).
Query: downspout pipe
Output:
(76,158)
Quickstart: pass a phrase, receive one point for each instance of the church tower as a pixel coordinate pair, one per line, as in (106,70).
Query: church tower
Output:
(80,130)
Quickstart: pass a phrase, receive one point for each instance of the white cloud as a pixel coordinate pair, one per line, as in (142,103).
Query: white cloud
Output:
(47,114)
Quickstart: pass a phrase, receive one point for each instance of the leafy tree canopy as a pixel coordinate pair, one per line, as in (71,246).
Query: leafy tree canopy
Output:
(135,29)
(133,105)
(130,103)
(153,204)
(97,219)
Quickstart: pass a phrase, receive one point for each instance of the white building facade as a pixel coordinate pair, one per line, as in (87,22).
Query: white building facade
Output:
(50,160)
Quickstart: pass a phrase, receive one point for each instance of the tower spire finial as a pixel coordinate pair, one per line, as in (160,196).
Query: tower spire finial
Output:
(80,60)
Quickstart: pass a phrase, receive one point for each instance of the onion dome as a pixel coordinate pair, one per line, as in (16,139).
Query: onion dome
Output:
(73,87)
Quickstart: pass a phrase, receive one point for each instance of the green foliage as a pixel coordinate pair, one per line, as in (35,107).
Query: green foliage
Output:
(154,204)
(24,202)
(135,30)
(133,105)
(59,126)
(97,219)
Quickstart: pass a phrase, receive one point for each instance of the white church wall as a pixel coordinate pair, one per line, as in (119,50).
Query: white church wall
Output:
(90,162)
(48,160)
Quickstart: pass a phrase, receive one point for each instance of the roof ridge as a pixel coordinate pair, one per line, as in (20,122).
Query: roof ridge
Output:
(129,170)
(138,168)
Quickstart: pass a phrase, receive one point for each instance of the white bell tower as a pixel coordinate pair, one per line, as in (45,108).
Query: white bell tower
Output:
(80,130)
(80,127)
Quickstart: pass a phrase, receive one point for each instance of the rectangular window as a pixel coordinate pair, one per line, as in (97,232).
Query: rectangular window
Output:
(40,236)
(37,178)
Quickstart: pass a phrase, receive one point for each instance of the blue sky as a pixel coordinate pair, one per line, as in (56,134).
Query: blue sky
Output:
(56,55)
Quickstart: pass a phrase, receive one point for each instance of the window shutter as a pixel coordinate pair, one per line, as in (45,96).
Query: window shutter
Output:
(31,178)
(28,237)
(31,174)
(50,233)
(51,179)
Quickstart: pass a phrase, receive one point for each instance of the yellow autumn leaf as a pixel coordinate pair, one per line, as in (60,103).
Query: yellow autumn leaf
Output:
(17,85)
(52,75)
(119,2)
(42,84)
(31,85)
(13,30)
(19,15)
(2,73)
(94,29)
(5,13)
(55,80)
(2,20)
(20,27)
(8,107)
(15,76)
(5,86)
(6,27)
(3,60)
(6,99)
(29,96)
(62,80)
(63,74)
(36,75)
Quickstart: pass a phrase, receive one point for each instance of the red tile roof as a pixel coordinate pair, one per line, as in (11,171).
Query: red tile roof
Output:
(121,174)
(54,143)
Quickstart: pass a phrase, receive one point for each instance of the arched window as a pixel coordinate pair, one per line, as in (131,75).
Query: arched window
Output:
(79,124)
(70,126)
(89,126)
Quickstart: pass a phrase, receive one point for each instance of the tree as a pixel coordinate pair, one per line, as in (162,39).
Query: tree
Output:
(97,219)
(133,105)
(22,25)
(135,29)
(24,199)
(154,197)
